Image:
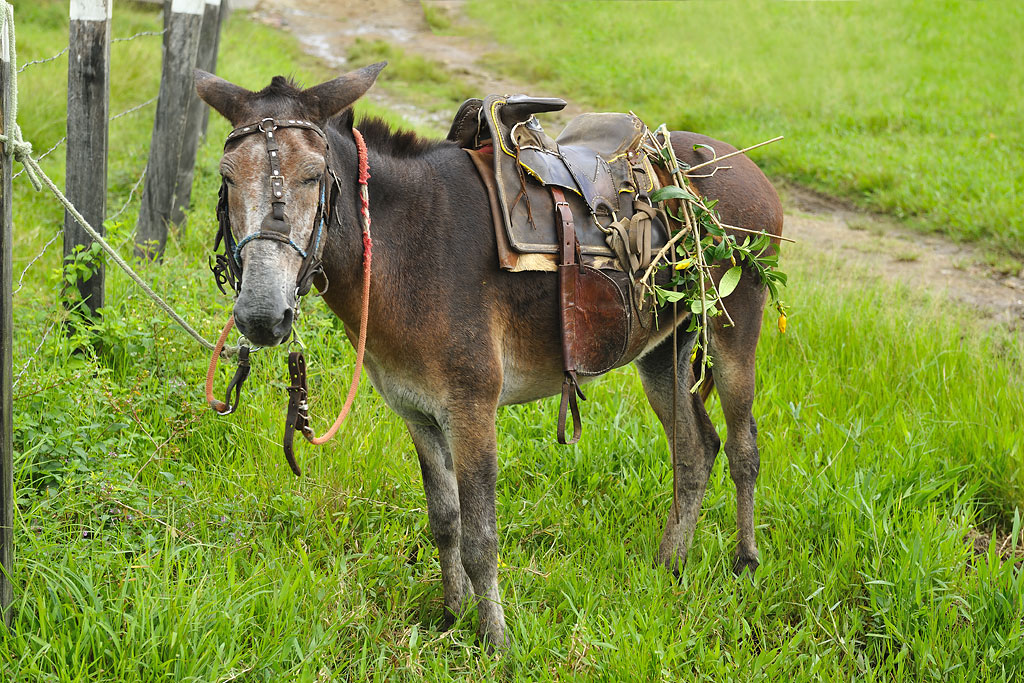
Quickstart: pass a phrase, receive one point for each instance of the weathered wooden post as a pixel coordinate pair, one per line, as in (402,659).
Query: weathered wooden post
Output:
(181,41)
(206,57)
(6,340)
(88,110)
(211,61)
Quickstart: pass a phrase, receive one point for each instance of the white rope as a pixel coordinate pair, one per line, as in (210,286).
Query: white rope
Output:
(22,152)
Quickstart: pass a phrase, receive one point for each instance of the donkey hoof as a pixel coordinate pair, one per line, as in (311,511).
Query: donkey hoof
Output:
(448,619)
(674,563)
(491,634)
(741,562)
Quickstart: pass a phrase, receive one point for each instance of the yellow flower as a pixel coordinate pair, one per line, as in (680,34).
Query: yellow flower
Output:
(684,264)
(782,323)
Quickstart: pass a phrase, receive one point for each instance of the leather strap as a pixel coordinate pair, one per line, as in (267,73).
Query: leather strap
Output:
(237,380)
(570,390)
(275,226)
(298,410)
(568,275)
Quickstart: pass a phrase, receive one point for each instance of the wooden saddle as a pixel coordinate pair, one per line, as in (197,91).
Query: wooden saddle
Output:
(578,205)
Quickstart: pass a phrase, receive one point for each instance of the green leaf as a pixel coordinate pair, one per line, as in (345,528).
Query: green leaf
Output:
(671,192)
(698,306)
(669,295)
(729,281)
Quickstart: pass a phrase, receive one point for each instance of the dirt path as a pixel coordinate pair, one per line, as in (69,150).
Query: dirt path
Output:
(326,28)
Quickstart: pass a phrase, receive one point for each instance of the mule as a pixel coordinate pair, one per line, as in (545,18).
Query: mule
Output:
(451,336)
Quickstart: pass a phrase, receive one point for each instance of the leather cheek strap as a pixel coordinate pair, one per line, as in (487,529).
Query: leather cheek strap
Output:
(298,416)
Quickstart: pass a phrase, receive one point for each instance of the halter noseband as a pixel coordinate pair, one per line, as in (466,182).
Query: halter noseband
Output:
(228,267)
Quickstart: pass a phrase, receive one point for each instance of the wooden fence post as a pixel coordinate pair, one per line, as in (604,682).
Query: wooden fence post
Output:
(210,63)
(88,110)
(206,57)
(181,42)
(6,340)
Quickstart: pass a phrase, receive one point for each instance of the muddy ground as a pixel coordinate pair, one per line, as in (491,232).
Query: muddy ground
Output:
(881,247)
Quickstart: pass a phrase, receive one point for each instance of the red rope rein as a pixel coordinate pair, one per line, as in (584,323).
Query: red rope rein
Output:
(364,316)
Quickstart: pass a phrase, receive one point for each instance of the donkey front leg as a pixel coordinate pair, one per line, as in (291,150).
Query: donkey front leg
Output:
(473,442)
(442,492)
(693,450)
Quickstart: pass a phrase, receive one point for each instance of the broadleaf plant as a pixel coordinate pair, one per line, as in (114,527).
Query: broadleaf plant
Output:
(700,243)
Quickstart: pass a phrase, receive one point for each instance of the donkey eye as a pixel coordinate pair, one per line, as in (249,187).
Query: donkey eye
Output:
(227,179)
(313,180)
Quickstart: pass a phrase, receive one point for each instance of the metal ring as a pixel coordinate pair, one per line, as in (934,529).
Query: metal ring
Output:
(244,341)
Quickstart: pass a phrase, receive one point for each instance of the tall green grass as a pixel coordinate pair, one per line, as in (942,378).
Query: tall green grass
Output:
(911,108)
(155,540)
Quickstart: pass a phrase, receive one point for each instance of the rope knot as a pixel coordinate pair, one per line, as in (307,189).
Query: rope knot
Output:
(21,150)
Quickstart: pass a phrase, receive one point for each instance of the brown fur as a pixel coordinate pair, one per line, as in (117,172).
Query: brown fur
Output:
(452,337)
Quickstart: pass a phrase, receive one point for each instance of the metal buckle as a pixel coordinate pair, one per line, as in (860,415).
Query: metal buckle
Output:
(263,128)
(243,341)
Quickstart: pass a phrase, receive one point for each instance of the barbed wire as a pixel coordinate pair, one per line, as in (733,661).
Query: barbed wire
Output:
(138,35)
(60,231)
(43,61)
(24,368)
(126,112)
(21,280)
(129,200)
(60,54)
(134,109)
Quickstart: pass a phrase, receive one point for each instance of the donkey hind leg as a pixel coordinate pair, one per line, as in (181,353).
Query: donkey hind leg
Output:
(442,493)
(695,448)
(732,352)
(473,442)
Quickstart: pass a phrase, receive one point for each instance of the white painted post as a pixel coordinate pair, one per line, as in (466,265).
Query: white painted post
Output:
(88,110)
(206,59)
(6,341)
(181,43)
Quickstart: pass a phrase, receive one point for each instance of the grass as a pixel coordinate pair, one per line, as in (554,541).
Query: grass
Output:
(155,540)
(907,107)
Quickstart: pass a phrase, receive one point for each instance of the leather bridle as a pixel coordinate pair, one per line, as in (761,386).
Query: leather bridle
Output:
(227,268)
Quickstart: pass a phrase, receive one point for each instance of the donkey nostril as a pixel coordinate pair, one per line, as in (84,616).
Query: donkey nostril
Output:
(284,327)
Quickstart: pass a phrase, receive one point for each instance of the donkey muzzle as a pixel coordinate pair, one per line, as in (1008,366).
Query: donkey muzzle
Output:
(265,320)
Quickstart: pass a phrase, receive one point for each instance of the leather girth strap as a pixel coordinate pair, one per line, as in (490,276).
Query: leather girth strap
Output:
(568,273)
(298,408)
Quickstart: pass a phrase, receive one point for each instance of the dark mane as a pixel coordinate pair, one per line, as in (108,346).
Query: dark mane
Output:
(282,98)
(381,137)
(280,86)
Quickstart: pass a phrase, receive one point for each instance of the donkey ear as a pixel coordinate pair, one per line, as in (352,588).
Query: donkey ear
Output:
(327,99)
(227,98)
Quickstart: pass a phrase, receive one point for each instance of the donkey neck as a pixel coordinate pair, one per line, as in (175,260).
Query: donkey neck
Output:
(405,195)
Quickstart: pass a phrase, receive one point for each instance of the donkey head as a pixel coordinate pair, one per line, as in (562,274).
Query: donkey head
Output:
(276,190)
